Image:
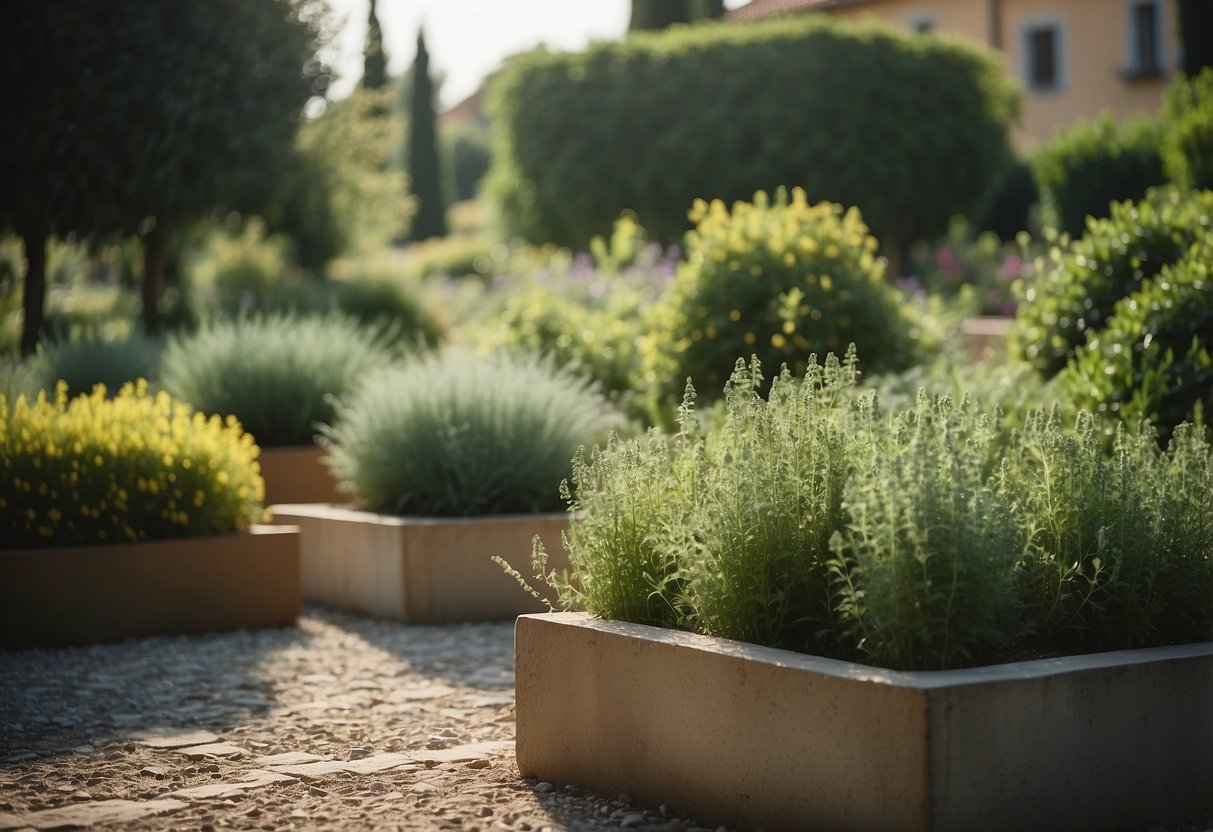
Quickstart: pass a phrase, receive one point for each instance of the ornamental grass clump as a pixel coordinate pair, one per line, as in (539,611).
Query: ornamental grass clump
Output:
(86,362)
(933,537)
(453,435)
(279,375)
(91,470)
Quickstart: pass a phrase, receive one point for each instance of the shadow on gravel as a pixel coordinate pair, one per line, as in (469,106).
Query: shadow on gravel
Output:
(479,656)
(53,701)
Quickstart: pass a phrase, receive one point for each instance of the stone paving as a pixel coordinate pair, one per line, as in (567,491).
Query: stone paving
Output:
(339,723)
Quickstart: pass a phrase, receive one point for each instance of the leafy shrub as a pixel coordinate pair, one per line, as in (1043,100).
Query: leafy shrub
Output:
(451,435)
(1153,361)
(586,310)
(278,375)
(1090,165)
(456,256)
(1077,289)
(375,291)
(237,271)
(780,279)
(87,362)
(1010,207)
(1188,141)
(95,470)
(976,270)
(468,153)
(932,537)
(576,140)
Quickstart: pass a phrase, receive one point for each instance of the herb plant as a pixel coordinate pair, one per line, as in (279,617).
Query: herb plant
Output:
(932,537)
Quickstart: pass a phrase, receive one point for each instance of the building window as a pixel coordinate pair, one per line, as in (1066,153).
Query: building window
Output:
(1043,56)
(1145,28)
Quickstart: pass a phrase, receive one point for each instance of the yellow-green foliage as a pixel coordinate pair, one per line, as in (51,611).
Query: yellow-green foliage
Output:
(780,279)
(135,467)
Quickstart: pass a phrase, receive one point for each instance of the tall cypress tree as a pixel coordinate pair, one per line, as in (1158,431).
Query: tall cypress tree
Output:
(374,61)
(658,14)
(1195,35)
(706,9)
(425,178)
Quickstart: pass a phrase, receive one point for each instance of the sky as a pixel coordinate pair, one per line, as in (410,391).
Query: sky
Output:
(467,39)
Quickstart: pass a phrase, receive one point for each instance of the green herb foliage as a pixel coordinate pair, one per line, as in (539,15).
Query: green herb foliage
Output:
(453,435)
(927,538)
(278,375)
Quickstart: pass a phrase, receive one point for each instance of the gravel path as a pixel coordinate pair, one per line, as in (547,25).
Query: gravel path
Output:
(339,723)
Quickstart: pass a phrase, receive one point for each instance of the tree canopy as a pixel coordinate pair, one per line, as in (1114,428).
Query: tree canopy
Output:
(137,117)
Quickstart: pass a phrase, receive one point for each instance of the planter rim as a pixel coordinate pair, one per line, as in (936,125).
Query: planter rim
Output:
(101,548)
(335,512)
(915,679)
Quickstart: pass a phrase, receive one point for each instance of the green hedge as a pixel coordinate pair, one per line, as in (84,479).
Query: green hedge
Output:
(910,129)
(1089,165)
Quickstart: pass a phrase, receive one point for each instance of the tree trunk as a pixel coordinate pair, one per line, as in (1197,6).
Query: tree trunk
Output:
(33,296)
(155,255)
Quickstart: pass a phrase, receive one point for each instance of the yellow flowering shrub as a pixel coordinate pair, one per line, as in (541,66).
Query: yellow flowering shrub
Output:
(777,278)
(90,470)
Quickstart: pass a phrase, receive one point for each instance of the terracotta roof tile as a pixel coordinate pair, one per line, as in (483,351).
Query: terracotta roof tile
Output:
(769,8)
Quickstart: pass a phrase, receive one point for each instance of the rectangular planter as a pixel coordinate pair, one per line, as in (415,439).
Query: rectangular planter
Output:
(90,594)
(752,736)
(985,338)
(296,475)
(423,570)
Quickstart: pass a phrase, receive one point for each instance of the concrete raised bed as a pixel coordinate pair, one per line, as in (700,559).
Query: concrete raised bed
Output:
(985,338)
(90,594)
(297,475)
(420,569)
(751,736)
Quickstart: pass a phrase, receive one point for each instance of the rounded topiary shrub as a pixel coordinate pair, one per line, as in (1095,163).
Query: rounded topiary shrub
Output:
(1089,165)
(1187,146)
(777,278)
(278,375)
(456,435)
(136,467)
(1154,359)
(1078,290)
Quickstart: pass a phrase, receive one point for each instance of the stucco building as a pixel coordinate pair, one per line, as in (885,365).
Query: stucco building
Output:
(1074,58)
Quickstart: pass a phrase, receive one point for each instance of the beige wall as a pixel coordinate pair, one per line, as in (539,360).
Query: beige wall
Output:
(1094,52)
